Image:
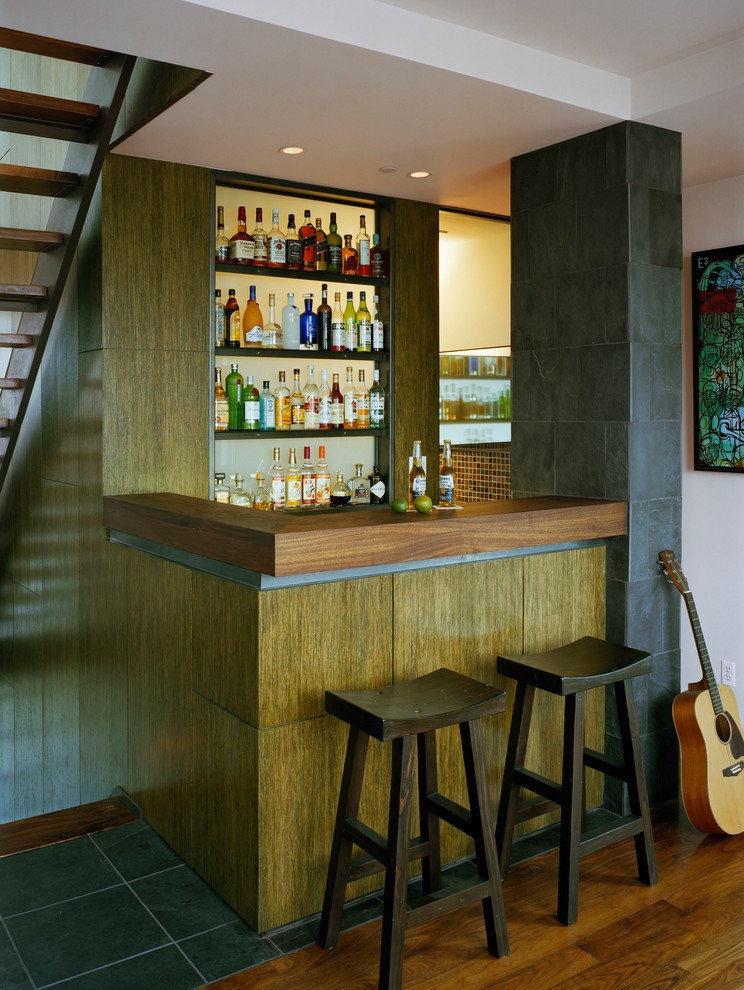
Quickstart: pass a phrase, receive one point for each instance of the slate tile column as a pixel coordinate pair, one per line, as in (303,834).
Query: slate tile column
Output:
(597,377)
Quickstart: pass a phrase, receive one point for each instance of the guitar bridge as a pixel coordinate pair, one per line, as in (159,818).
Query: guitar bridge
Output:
(734,770)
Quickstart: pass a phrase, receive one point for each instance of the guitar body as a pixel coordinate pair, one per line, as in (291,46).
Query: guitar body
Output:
(712,768)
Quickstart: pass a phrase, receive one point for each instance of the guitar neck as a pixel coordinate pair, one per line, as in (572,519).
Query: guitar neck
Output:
(702,650)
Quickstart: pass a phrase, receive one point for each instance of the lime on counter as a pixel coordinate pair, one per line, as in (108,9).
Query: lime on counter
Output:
(422,503)
(399,505)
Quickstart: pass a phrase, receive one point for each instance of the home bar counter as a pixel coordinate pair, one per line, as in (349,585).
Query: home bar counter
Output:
(280,607)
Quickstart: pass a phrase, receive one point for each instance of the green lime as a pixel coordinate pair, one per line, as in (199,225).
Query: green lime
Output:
(399,505)
(422,503)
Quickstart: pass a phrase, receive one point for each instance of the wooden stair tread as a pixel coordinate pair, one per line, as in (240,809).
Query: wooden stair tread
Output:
(22,41)
(19,239)
(16,340)
(4,424)
(8,291)
(49,109)
(36,181)
(10,383)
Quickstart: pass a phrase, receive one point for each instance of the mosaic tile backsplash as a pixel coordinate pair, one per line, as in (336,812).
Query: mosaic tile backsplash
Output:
(483,471)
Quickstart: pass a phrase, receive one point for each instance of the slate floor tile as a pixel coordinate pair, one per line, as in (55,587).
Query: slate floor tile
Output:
(136,850)
(163,969)
(183,903)
(227,950)
(12,974)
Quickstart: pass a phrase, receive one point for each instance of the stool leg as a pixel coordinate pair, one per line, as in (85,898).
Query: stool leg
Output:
(431,866)
(338,865)
(396,872)
(637,793)
(515,754)
(571,804)
(483,834)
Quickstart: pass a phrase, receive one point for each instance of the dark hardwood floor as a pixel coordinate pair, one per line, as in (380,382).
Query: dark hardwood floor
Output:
(686,932)
(58,826)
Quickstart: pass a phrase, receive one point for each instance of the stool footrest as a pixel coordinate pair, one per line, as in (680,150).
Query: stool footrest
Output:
(367,866)
(451,812)
(538,784)
(600,761)
(602,836)
(532,807)
(450,898)
(367,839)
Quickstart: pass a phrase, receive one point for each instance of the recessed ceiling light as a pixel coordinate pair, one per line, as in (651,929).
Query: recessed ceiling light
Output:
(419,175)
(292,149)
(388,168)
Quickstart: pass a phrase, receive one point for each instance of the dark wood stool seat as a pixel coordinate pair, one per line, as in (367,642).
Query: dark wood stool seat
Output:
(404,713)
(570,671)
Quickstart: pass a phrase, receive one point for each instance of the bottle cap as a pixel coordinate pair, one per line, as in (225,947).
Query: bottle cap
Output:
(321,452)
(307,453)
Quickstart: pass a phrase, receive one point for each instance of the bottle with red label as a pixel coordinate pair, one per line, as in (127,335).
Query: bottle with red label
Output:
(242,247)
(260,240)
(307,237)
(364,263)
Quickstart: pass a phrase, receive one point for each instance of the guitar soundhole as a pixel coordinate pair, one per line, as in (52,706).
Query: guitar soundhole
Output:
(723,728)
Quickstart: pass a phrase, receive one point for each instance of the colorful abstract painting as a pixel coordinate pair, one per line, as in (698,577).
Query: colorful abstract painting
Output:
(718,342)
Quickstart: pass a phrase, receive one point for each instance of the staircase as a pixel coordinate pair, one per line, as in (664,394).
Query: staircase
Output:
(87,126)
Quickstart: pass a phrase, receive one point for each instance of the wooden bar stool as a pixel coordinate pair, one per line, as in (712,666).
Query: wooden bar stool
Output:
(571,671)
(404,712)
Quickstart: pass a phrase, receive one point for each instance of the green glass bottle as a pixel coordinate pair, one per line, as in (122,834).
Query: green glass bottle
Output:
(234,389)
(350,324)
(335,243)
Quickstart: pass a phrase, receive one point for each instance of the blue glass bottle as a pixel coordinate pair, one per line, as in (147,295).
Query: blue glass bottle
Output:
(309,326)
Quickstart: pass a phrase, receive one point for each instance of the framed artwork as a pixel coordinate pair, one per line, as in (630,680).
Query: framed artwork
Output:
(718,358)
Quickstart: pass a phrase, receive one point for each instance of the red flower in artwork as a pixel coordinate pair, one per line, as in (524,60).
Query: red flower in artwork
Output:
(718,301)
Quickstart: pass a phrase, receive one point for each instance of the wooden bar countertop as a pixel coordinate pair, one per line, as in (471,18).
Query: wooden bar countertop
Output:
(289,543)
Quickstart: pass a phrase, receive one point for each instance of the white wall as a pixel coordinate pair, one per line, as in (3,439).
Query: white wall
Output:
(713,503)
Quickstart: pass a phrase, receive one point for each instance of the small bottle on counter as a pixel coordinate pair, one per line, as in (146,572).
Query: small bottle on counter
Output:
(340,493)
(447,477)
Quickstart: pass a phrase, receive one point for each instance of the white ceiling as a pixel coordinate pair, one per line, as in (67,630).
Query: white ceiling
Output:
(455,88)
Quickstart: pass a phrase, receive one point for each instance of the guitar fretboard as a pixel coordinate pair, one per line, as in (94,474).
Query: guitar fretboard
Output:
(702,650)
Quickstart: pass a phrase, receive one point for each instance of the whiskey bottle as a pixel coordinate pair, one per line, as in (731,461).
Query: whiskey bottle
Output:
(308,481)
(234,389)
(307,236)
(297,402)
(278,482)
(335,246)
(242,246)
(232,320)
(340,493)
(416,476)
(221,244)
(447,477)
(324,321)
(311,398)
(251,405)
(359,488)
(261,496)
(364,265)
(291,325)
(293,245)
(221,408)
(260,240)
(338,331)
(324,402)
(350,401)
(277,244)
(239,496)
(272,332)
(252,322)
(364,325)
(376,403)
(337,406)
(377,258)
(322,479)
(283,407)
(350,324)
(308,326)
(362,403)
(349,257)
(294,482)
(221,490)
(266,409)
(321,247)
(378,328)
(219,319)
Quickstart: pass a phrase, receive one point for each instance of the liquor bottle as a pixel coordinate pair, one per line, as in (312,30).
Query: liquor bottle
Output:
(362,403)
(324,322)
(350,324)
(359,488)
(307,236)
(272,332)
(416,476)
(239,496)
(232,320)
(322,479)
(350,401)
(278,482)
(335,245)
(293,245)
(312,400)
(242,246)
(291,325)
(349,257)
(221,490)
(297,402)
(338,330)
(234,389)
(219,319)
(260,240)
(221,244)
(364,324)
(283,407)
(376,487)
(308,481)
(294,482)
(340,493)
(252,322)
(276,249)
(378,328)
(261,496)
(377,258)
(337,406)
(364,265)
(308,325)
(447,477)
(266,409)
(321,247)
(376,403)
(251,405)
(221,408)
(324,402)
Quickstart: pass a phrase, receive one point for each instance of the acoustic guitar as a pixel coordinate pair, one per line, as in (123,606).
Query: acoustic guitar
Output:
(706,718)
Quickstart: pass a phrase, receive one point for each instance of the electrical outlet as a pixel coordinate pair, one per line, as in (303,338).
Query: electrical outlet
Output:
(728,673)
